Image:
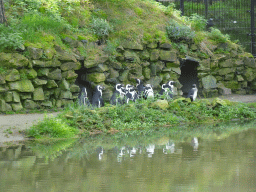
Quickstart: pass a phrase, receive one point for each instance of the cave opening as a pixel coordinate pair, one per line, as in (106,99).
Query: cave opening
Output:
(189,75)
(81,81)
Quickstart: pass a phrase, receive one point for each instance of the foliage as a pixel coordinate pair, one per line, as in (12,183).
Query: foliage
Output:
(52,127)
(140,116)
(198,23)
(179,32)
(9,38)
(101,27)
(217,36)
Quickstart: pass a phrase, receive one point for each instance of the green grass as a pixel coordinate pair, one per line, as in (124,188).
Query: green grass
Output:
(52,127)
(140,117)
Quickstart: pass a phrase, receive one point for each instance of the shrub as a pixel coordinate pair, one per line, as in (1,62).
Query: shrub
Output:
(217,36)
(52,127)
(198,23)
(101,27)
(179,32)
(9,38)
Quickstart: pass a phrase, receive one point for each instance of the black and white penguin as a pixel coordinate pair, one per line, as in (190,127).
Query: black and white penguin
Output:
(192,94)
(148,91)
(162,91)
(167,90)
(170,88)
(118,95)
(97,100)
(131,94)
(83,99)
(140,87)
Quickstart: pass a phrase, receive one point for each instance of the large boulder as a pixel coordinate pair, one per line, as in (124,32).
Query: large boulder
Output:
(124,76)
(29,104)
(225,71)
(2,79)
(16,97)
(74,88)
(209,82)
(66,57)
(22,86)
(64,85)
(250,62)
(233,85)
(249,74)
(12,75)
(35,53)
(16,106)
(96,77)
(162,104)
(227,63)
(13,60)
(38,82)
(135,45)
(51,84)
(154,55)
(2,105)
(55,75)
(69,75)
(169,56)
(43,72)
(65,95)
(100,68)
(70,66)
(38,94)
(131,56)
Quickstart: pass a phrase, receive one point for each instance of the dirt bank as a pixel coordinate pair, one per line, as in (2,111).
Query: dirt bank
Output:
(12,126)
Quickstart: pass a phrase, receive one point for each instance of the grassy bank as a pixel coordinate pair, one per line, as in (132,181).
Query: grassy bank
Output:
(141,117)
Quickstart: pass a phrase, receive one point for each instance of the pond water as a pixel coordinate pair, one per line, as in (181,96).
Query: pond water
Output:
(166,159)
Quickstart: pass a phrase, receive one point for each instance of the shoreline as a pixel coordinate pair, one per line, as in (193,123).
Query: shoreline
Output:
(12,127)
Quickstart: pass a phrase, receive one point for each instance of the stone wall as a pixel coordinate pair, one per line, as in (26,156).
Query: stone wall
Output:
(44,78)
(47,78)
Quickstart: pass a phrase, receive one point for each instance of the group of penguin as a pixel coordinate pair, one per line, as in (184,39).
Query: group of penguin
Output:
(124,94)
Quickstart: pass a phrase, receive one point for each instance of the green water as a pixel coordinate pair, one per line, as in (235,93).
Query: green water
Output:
(160,160)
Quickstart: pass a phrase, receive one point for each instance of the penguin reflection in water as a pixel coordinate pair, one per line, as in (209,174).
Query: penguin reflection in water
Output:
(83,99)
(118,95)
(192,94)
(97,100)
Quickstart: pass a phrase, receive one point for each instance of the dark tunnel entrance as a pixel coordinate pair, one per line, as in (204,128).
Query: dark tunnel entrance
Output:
(188,75)
(82,82)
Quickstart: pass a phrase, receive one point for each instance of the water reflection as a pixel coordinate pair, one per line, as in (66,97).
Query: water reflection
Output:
(160,162)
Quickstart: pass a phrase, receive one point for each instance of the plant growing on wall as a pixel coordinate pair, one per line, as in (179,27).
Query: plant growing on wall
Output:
(179,32)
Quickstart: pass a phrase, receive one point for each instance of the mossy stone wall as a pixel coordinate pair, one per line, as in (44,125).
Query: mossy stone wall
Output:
(47,77)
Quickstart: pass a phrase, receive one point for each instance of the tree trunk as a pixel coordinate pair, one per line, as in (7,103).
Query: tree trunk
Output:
(2,14)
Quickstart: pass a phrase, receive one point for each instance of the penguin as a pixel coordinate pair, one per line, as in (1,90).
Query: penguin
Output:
(97,100)
(130,93)
(162,91)
(167,90)
(118,95)
(170,88)
(192,94)
(140,87)
(83,99)
(148,91)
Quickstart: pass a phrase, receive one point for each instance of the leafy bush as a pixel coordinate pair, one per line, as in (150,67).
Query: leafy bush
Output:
(179,32)
(217,36)
(101,27)
(198,23)
(52,127)
(9,38)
